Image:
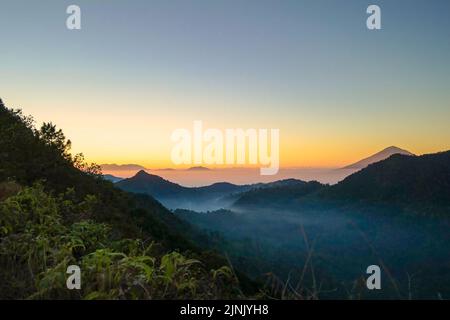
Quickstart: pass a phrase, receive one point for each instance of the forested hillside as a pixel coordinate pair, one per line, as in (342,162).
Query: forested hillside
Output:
(56,210)
(418,184)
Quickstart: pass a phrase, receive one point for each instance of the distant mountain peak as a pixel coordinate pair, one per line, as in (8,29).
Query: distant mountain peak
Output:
(199,168)
(144,175)
(141,173)
(396,150)
(379,156)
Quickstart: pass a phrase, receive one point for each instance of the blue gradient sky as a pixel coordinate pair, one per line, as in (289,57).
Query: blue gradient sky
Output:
(139,69)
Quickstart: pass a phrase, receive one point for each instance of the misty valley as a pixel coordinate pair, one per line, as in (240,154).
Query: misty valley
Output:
(342,245)
(310,239)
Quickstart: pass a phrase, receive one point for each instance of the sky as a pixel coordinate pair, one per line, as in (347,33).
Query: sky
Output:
(138,70)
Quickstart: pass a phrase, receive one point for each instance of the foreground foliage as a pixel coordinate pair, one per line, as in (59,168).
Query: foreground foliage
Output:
(37,247)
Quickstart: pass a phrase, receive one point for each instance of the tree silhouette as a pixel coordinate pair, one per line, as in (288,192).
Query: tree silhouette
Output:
(55,138)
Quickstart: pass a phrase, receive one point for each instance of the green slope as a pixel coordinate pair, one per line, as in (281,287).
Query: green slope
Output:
(56,210)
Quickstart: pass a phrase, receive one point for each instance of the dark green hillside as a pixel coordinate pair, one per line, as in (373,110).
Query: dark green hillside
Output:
(56,210)
(414,183)
(29,156)
(277,195)
(150,184)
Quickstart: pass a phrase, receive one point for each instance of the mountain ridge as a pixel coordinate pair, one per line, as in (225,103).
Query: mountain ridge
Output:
(211,197)
(419,184)
(409,181)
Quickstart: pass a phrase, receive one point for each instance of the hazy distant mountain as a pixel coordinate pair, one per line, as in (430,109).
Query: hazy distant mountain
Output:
(112,178)
(382,155)
(198,169)
(121,167)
